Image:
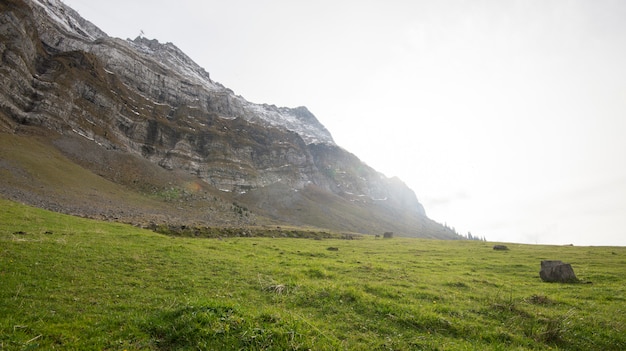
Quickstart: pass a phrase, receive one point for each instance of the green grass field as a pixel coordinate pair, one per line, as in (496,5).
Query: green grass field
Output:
(73,284)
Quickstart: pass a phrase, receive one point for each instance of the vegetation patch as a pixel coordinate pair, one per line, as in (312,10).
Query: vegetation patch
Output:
(220,327)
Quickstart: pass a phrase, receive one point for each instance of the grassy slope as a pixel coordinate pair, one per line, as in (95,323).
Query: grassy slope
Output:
(76,284)
(121,187)
(41,168)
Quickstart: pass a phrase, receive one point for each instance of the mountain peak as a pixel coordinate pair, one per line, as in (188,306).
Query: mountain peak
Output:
(175,60)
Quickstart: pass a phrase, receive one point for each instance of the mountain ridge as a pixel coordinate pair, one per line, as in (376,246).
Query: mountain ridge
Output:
(151,101)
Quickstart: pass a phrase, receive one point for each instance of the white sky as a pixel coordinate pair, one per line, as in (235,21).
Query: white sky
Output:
(507,118)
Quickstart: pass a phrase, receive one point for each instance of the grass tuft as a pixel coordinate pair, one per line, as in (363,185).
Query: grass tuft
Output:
(539,300)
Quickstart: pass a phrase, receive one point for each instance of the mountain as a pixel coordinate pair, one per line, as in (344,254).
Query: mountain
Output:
(148,136)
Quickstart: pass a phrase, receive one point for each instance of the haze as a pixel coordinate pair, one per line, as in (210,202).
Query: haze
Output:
(507,118)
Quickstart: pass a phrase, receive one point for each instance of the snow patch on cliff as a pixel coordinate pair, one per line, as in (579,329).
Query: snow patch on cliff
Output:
(311,133)
(69,20)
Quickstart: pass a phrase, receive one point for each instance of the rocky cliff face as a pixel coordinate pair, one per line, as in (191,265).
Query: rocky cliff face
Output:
(151,100)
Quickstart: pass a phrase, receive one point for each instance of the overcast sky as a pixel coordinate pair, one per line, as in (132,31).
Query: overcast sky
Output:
(507,118)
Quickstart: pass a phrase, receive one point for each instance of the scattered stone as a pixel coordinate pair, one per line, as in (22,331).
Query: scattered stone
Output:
(500,247)
(557,271)
(48,232)
(333,249)
(19,233)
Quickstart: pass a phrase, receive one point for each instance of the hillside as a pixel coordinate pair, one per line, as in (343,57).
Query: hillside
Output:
(75,284)
(170,144)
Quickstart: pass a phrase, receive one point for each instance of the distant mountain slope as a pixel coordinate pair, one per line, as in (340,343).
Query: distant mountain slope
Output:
(119,108)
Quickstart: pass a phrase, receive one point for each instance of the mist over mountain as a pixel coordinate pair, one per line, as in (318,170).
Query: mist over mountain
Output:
(136,131)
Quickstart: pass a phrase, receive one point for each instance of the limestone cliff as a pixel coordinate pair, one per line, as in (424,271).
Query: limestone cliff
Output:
(150,100)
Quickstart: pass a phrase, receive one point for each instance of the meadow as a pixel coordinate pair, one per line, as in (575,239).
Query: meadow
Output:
(68,283)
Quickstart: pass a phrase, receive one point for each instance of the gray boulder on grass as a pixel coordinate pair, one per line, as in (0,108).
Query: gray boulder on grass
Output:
(557,271)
